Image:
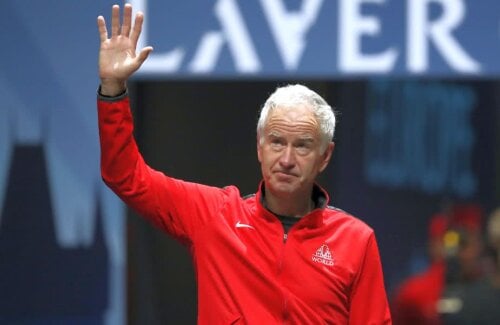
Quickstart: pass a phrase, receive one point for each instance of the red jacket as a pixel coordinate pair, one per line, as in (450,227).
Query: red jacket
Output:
(327,269)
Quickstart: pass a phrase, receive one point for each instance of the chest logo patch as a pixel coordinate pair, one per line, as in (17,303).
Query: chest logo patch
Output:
(323,255)
(243,225)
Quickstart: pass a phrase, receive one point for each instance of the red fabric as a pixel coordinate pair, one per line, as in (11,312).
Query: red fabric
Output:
(327,271)
(416,300)
(438,226)
(467,217)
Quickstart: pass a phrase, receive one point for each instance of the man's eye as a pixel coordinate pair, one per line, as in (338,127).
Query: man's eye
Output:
(276,144)
(303,148)
(303,145)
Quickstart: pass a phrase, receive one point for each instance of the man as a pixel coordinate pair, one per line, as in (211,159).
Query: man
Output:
(280,256)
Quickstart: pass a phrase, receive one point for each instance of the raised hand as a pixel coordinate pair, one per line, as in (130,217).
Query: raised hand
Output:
(117,55)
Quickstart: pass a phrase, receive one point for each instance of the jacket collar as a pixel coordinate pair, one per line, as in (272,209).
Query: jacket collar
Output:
(312,219)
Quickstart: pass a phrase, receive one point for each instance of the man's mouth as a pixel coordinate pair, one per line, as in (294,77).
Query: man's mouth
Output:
(284,174)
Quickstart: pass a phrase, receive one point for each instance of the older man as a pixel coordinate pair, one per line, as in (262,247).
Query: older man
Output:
(280,256)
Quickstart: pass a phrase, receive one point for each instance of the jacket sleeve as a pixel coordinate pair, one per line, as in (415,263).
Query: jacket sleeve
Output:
(176,206)
(368,304)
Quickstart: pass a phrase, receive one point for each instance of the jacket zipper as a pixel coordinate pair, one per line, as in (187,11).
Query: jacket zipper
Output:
(285,302)
(285,298)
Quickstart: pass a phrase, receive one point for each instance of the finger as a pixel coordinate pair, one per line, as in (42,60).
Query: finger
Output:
(115,21)
(127,20)
(101,25)
(143,55)
(136,31)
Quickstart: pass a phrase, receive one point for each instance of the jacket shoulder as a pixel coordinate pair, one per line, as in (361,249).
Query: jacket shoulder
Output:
(339,217)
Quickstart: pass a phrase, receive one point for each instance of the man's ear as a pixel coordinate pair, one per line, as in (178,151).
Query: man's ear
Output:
(327,155)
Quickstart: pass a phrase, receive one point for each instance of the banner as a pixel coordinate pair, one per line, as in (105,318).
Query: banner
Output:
(318,38)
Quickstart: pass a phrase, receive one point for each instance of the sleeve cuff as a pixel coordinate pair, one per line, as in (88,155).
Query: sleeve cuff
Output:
(111,98)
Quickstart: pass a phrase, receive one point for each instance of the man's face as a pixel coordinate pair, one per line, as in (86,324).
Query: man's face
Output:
(290,151)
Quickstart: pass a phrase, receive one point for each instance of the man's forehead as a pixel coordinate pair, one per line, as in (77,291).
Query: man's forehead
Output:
(276,132)
(291,114)
(298,131)
(296,121)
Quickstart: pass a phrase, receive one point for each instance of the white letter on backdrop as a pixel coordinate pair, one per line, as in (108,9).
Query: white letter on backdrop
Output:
(439,32)
(352,25)
(235,34)
(290,28)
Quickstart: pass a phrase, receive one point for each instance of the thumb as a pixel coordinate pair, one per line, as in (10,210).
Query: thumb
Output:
(143,55)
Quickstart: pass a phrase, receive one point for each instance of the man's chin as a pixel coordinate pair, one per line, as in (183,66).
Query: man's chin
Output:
(282,188)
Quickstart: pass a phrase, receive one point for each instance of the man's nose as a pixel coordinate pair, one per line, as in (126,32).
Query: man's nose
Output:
(287,159)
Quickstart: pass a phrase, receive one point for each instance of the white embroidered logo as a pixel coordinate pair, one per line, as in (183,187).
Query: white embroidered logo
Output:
(323,255)
(243,225)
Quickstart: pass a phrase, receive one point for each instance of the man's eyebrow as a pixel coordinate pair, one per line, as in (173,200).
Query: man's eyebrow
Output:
(308,138)
(274,134)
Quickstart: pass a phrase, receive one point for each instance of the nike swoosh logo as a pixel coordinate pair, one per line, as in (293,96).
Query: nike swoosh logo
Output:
(243,225)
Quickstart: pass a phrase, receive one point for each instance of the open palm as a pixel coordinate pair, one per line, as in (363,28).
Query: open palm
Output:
(117,55)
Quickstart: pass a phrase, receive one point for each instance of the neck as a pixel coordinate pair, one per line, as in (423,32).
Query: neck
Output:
(292,206)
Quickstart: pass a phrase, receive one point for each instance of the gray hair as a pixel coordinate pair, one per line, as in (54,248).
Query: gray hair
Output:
(294,95)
